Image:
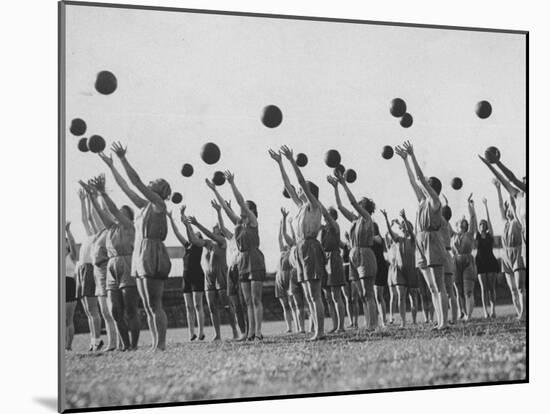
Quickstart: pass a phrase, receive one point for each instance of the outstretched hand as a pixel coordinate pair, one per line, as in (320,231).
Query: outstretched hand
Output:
(402,214)
(470,200)
(401,152)
(484,201)
(118,149)
(215,205)
(496,183)
(107,159)
(284,212)
(332,181)
(408,147)
(182,212)
(275,155)
(98,183)
(287,152)
(81,191)
(229,176)
(192,220)
(483,159)
(209,184)
(384,213)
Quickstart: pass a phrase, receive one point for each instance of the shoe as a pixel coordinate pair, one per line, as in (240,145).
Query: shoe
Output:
(193,337)
(201,337)
(99,346)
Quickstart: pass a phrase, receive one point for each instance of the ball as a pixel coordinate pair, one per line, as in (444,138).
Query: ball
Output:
(187,170)
(484,109)
(350,176)
(332,158)
(387,152)
(406,120)
(219,178)
(456,183)
(105,82)
(301,160)
(78,127)
(210,153)
(83,145)
(285,193)
(492,154)
(272,116)
(339,170)
(398,107)
(177,198)
(96,143)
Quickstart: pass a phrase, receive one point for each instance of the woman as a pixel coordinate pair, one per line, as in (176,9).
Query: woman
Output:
(446,232)
(362,258)
(150,261)
(193,280)
(85,283)
(462,244)
(70,286)
(215,272)
(430,251)
(251,263)
(351,295)
(330,241)
(283,276)
(233,292)
(487,264)
(381,280)
(122,294)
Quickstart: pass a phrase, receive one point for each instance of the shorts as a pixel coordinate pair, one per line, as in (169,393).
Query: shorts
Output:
(216,280)
(430,251)
(449,264)
(512,260)
(465,272)
(282,283)
(251,266)
(396,277)
(362,263)
(232,280)
(254,276)
(151,260)
(311,260)
(193,281)
(381,272)
(119,273)
(334,269)
(100,277)
(70,289)
(294,288)
(85,283)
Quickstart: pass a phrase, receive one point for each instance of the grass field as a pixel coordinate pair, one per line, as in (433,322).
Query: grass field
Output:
(284,364)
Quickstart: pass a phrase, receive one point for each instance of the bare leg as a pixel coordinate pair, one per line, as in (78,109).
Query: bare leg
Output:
(147,306)
(393,300)
(213,307)
(115,303)
(428,277)
(469,297)
(363,301)
(346,294)
(511,281)
(110,325)
(402,303)
(69,324)
(443,299)
(256,288)
(224,302)
(286,313)
(380,303)
(336,294)
(190,310)
(484,285)
(331,309)
(492,290)
(237,310)
(451,294)
(91,308)
(318,315)
(130,298)
(519,276)
(154,288)
(413,297)
(368,289)
(300,312)
(198,300)
(247,293)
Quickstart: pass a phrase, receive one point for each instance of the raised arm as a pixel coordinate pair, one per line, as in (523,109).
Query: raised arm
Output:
(224,229)
(103,217)
(489,224)
(228,210)
(99,184)
(500,201)
(289,188)
(510,175)
(328,218)
(388,226)
(84,212)
(219,239)
(290,239)
(131,194)
(507,185)
(175,229)
(426,188)
(287,152)
(134,178)
(230,177)
(70,240)
(412,180)
(345,212)
(408,226)
(282,245)
(472,228)
(362,212)
(196,241)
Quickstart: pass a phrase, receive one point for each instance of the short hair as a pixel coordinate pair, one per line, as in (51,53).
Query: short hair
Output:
(313,189)
(252,207)
(165,189)
(333,213)
(435,183)
(129,211)
(368,204)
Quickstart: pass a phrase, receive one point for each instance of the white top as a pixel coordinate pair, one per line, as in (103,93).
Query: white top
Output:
(70,266)
(232,251)
(85,254)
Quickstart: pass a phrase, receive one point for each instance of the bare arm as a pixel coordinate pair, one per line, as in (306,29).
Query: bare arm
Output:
(472,228)
(510,175)
(280,238)
(328,218)
(90,217)
(196,241)
(84,212)
(224,229)
(362,212)
(131,194)
(425,186)
(149,194)
(506,184)
(489,224)
(287,152)
(500,202)
(388,226)
(412,180)
(230,177)
(345,212)
(289,188)
(70,240)
(99,184)
(290,239)
(230,213)
(175,229)
(103,217)
(220,240)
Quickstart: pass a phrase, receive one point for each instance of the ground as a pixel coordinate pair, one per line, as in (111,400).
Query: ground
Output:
(476,351)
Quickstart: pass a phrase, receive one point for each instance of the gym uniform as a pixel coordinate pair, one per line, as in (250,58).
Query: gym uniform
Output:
(402,270)
(378,248)
(293,284)
(251,261)
(193,275)
(362,259)
(512,259)
(310,255)
(233,270)
(486,262)
(216,266)
(334,268)
(465,271)
(85,283)
(282,278)
(446,233)
(120,245)
(430,251)
(150,258)
(70,284)
(100,257)
(521,212)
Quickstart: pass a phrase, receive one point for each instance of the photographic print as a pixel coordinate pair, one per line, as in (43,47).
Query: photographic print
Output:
(258,206)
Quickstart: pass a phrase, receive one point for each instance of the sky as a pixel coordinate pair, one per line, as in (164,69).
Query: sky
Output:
(186,79)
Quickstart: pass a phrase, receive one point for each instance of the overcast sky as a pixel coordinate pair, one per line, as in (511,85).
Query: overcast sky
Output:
(186,79)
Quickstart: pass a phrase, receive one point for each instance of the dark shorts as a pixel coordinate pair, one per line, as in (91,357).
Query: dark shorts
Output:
(311,260)
(70,289)
(100,277)
(85,282)
(335,269)
(119,273)
(233,281)
(216,280)
(363,264)
(193,281)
